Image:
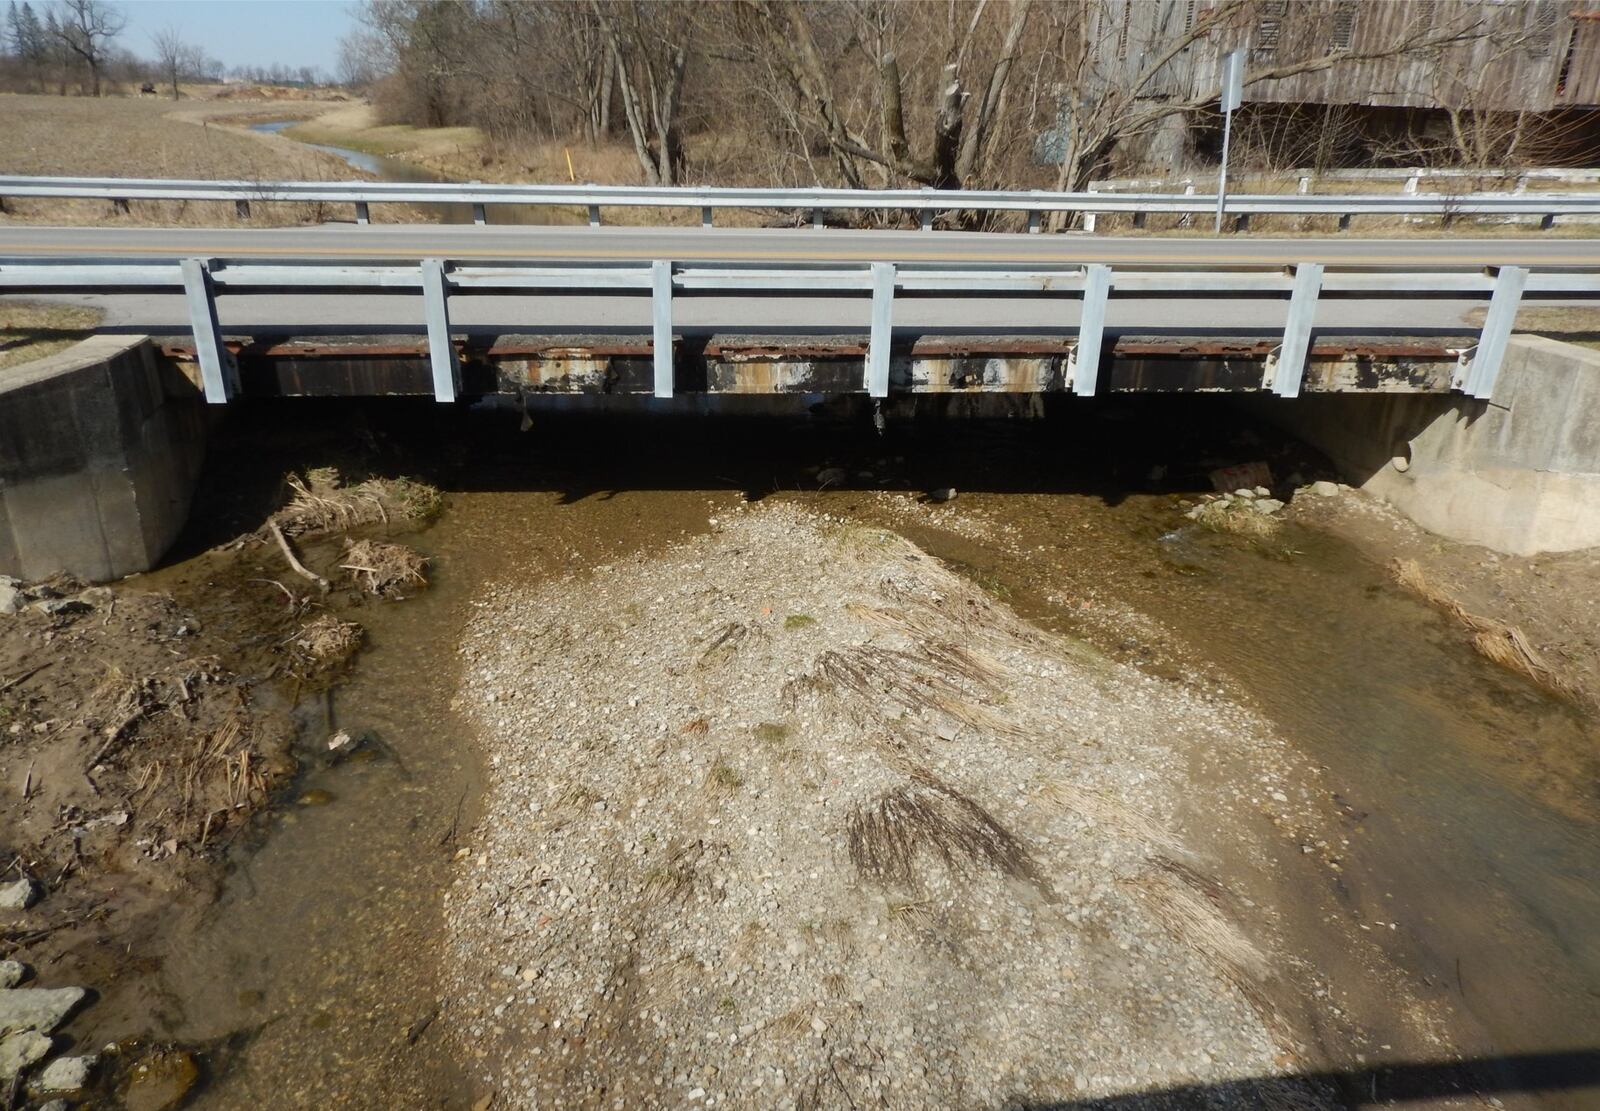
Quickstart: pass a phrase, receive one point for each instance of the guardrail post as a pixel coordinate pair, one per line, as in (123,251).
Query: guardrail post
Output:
(1089,217)
(1033,221)
(441,352)
(1288,368)
(705,216)
(479,214)
(661,325)
(882,329)
(1547,221)
(1480,376)
(1083,365)
(241,209)
(363,215)
(927,219)
(816,220)
(1345,219)
(219,373)
(594,216)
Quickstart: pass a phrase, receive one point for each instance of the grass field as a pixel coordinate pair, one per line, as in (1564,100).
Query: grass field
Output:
(150,137)
(31,330)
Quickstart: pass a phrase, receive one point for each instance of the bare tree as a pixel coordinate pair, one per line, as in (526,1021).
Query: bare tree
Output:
(650,42)
(87,28)
(173,55)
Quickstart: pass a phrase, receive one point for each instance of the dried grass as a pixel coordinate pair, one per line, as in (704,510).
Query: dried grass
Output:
(885,837)
(384,569)
(1193,917)
(326,640)
(320,501)
(1221,516)
(1107,811)
(938,677)
(1493,639)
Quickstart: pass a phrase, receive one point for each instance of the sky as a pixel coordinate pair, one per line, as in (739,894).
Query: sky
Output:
(247,32)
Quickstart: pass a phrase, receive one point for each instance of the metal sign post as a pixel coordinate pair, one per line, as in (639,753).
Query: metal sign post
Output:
(1232,93)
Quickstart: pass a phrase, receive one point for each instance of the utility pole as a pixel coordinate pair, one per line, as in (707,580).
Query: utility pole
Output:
(1232,93)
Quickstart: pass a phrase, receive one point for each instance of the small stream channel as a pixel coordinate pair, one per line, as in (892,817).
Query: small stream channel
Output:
(314,976)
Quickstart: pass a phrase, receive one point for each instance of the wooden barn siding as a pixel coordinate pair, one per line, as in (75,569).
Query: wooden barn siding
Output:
(1480,74)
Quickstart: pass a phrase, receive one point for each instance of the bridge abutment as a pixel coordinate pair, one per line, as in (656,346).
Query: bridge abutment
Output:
(1519,473)
(100,447)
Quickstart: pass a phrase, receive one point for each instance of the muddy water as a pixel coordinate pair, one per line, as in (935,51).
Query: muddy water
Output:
(1462,833)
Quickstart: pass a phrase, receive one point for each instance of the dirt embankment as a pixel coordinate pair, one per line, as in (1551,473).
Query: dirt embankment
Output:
(795,816)
(140,737)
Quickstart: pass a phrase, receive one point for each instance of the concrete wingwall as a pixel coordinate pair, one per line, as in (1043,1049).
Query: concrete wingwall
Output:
(1519,473)
(100,447)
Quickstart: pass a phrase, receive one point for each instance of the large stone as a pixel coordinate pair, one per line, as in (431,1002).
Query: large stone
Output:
(12,973)
(100,446)
(67,1074)
(20,1050)
(18,895)
(40,1009)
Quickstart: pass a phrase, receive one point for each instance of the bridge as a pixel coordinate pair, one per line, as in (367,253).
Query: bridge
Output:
(473,311)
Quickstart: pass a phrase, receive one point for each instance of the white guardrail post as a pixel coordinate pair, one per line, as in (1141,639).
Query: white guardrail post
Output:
(882,329)
(219,373)
(661,326)
(1287,367)
(1083,364)
(441,352)
(1484,369)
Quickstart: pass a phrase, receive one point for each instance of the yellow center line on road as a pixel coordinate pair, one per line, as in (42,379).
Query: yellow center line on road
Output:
(698,255)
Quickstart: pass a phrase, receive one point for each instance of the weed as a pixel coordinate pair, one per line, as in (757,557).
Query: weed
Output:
(724,779)
(885,837)
(798,621)
(384,569)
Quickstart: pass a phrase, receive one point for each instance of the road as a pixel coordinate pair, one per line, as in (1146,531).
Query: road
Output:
(459,241)
(625,312)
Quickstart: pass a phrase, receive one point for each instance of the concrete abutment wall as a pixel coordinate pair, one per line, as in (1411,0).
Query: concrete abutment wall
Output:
(1519,473)
(100,447)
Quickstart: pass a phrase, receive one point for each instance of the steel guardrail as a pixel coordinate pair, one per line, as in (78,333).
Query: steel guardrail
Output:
(438,279)
(924,203)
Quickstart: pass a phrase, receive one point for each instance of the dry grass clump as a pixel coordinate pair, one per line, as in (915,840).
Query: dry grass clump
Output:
(327,640)
(1107,811)
(321,501)
(885,837)
(384,569)
(1493,639)
(881,683)
(1240,520)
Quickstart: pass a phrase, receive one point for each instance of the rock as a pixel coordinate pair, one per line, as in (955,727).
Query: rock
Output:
(12,973)
(68,1074)
(1244,492)
(831,476)
(20,1050)
(19,895)
(1268,505)
(41,1009)
(11,599)
(160,1081)
(54,1105)
(943,493)
(1325,489)
(96,595)
(55,606)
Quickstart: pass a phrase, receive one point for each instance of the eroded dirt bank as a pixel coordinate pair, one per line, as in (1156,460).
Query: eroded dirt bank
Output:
(1419,894)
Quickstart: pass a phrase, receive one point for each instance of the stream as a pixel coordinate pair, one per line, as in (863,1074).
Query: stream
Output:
(1467,794)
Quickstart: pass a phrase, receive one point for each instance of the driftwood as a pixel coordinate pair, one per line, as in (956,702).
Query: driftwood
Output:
(294,563)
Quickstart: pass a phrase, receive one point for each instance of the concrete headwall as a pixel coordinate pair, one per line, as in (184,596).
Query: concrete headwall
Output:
(100,446)
(1519,473)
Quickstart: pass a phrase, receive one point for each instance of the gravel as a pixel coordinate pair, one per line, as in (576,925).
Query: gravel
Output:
(791,815)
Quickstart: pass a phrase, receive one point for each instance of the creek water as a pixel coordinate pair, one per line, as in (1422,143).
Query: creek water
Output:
(398,169)
(1466,796)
